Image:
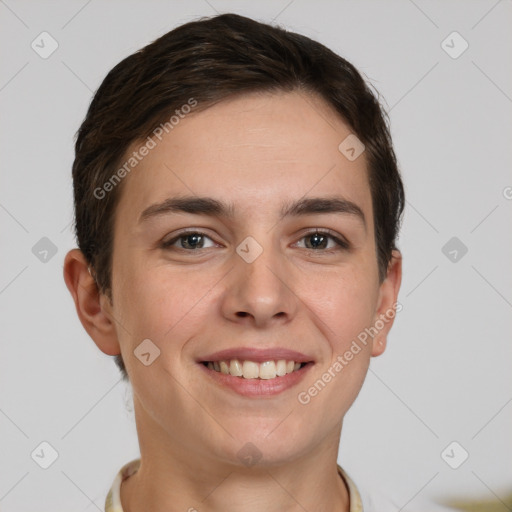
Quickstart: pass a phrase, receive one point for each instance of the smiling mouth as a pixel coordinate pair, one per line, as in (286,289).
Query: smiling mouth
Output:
(253,370)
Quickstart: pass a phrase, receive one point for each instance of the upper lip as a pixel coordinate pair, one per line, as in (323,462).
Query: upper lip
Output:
(257,355)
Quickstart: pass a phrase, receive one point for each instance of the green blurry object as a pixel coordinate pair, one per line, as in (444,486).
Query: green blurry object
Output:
(495,505)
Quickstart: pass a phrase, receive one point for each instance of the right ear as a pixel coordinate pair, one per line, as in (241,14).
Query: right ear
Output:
(93,308)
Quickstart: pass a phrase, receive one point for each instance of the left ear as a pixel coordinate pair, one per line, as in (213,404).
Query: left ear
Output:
(387,303)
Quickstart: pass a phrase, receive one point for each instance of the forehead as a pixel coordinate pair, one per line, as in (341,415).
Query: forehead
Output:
(256,150)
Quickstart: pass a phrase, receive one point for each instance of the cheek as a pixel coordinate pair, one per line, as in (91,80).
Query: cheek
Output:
(163,305)
(345,303)
(345,309)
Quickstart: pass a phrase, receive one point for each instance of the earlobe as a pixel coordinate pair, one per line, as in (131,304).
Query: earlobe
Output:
(90,303)
(379,345)
(388,305)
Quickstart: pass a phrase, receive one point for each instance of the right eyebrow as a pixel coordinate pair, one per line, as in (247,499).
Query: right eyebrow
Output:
(189,204)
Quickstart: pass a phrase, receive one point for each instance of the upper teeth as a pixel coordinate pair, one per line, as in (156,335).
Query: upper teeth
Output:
(253,370)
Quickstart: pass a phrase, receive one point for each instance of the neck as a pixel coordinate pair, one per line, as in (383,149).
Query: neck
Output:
(174,477)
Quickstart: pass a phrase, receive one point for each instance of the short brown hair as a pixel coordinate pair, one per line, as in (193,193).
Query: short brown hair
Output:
(210,60)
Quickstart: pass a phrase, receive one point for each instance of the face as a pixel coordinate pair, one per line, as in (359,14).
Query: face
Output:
(250,278)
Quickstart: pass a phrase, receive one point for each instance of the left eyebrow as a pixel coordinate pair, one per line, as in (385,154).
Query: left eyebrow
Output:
(215,208)
(319,205)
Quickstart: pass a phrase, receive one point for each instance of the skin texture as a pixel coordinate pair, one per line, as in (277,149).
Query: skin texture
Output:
(256,151)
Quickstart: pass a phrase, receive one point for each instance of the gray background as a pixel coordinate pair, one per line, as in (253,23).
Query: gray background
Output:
(446,373)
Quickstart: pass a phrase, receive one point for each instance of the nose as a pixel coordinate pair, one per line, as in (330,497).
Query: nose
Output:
(260,293)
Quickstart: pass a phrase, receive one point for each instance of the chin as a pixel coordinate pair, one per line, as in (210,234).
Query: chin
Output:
(263,446)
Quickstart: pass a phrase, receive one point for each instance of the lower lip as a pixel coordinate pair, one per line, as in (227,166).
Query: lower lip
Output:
(258,387)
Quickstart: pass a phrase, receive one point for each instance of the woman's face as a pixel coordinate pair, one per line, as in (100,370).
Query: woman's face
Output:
(249,281)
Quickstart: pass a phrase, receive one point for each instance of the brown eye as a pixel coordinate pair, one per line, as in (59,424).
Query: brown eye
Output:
(319,240)
(189,241)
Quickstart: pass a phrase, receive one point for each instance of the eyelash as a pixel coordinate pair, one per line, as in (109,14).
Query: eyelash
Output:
(340,242)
